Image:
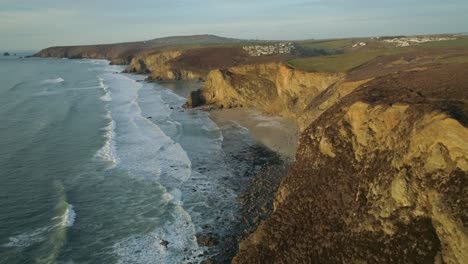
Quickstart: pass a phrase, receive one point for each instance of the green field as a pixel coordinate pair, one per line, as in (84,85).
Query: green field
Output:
(341,62)
(329,45)
(460,42)
(349,60)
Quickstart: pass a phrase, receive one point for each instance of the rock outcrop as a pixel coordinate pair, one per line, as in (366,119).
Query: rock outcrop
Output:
(123,53)
(274,88)
(182,63)
(380,177)
(119,54)
(157,65)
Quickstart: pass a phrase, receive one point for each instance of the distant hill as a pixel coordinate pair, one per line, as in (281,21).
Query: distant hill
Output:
(191,40)
(122,53)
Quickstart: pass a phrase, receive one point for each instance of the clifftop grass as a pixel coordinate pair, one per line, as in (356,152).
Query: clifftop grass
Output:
(341,62)
(351,59)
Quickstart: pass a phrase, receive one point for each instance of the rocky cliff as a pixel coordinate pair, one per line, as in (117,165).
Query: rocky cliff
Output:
(157,65)
(182,63)
(123,53)
(116,53)
(379,177)
(275,88)
(380,174)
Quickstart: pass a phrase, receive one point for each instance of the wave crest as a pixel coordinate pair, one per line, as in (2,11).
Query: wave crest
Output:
(50,81)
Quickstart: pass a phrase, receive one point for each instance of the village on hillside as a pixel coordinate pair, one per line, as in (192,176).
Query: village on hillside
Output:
(408,41)
(263,50)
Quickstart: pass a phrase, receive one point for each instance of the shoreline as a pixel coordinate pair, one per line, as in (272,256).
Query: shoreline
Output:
(255,145)
(260,174)
(277,133)
(268,159)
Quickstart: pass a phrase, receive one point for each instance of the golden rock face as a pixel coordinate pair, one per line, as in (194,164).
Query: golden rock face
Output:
(159,68)
(379,177)
(274,88)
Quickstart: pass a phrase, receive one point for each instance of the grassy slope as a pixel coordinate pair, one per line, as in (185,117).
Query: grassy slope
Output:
(353,58)
(326,44)
(341,62)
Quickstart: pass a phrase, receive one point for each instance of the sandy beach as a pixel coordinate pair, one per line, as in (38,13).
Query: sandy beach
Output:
(277,133)
(257,151)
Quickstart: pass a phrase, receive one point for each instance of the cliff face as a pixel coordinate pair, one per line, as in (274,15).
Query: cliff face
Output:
(196,63)
(158,67)
(118,54)
(123,53)
(274,88)
(380,177)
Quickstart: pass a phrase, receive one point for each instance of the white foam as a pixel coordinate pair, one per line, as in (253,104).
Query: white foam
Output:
(27,239)
(146,152)
(149,249)
(101,82)
(82,88)
(69,216)
(107,94)
(106,97)
(272,123)
(107,151)
(50,81)
(142,147)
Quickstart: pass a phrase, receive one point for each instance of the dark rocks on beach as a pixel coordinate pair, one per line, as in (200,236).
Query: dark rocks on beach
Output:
(207,240)
(164,243)
(149,79)
(257,185)
(149,117)
(195,99)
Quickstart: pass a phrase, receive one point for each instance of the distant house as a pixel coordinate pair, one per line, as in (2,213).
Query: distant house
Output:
(263,50)
(362,44)
(408,41)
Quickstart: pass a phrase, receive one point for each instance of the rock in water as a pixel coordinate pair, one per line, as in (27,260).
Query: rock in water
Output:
(164,243)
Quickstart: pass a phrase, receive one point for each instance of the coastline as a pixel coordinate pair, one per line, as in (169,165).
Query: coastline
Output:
(381,145)
(259,156)
(276,133)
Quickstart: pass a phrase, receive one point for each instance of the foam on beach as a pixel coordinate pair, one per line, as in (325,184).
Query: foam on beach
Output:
(27,239)
(107,151)
(147,153)
(178,233)
(67,219)
(42,234)
(52,81)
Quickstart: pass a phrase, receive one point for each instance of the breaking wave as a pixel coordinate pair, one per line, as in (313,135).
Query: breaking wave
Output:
(51,81)
(107,151)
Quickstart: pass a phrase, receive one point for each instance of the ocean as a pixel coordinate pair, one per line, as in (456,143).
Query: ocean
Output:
(100,167)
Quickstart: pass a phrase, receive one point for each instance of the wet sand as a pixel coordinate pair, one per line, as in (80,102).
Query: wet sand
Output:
(276,133)
(259,149)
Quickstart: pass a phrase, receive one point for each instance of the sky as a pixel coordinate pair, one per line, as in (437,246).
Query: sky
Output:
(36,24)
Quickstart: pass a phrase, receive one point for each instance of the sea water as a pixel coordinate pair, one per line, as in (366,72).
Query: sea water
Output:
(99,167)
